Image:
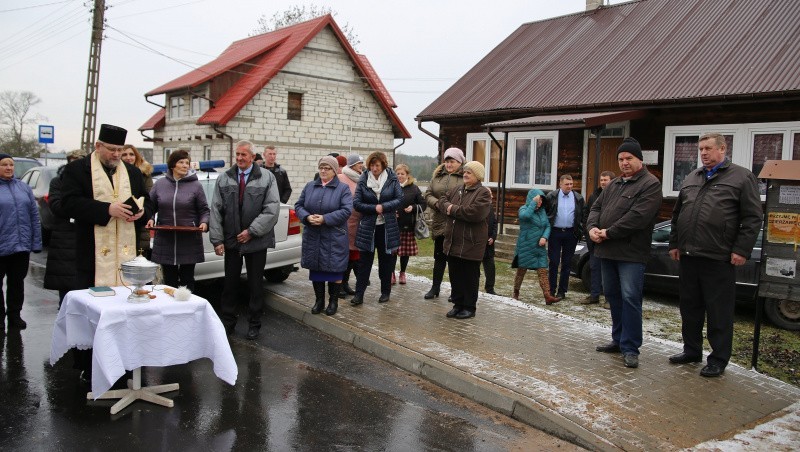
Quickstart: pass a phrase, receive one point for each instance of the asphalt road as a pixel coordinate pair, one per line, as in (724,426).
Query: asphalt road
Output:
(297,390)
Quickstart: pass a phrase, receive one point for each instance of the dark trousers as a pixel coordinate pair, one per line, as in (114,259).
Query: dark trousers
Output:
(560,249)
(464,281)
(386,264)
(707,290)
(255,273)
(180,275)
(488,268)
(15,266)
(596,272)
(439,261)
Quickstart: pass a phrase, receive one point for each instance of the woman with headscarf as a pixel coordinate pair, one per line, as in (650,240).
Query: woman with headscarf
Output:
(531,250)
(466,208)
(22,234)
(179,200)
(324,207)
(445,177)
(132,155)
(413,203)
(378,197)
(350,175)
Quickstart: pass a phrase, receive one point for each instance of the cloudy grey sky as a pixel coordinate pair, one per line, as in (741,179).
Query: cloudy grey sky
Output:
(418,47)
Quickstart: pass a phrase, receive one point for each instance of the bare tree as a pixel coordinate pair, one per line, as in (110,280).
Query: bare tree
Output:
(15,116)
(302,13)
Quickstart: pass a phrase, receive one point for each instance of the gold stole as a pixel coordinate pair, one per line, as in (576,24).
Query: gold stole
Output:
(115,242)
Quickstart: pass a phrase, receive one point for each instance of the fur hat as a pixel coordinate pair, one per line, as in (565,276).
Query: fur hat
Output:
(631,145)
(112,134)
(476,168)
(353,159)
(330,161)
(455,154)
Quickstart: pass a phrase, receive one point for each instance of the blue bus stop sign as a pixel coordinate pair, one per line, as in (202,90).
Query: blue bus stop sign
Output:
(46,134)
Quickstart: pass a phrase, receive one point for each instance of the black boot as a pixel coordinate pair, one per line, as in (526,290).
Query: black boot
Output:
(438,275)
(433,293)
(319,293)
(333,302)
(345,285)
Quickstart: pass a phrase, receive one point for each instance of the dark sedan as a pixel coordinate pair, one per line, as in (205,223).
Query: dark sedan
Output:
(38,178)
(661,275)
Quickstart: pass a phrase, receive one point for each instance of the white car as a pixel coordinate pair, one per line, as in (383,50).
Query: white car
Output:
(281,260)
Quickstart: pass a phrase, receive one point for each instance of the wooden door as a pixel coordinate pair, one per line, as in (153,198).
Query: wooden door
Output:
(608,161)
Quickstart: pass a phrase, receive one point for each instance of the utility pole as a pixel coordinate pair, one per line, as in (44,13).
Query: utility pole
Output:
(93,76)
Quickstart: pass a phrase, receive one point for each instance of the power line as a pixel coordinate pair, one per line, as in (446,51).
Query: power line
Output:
(159,9)
(33,6)
(38,27)
(39,53)
(41,38)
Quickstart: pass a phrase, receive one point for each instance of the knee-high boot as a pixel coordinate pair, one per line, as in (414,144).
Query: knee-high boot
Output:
(518,282)
(544,282)
(319,294)
(333,302)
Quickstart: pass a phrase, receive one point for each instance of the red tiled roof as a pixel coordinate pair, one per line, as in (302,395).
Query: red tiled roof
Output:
(271,52)
(156,121)
(634,55)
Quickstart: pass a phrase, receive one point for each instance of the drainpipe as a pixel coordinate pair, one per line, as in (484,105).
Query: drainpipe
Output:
(146,99)
(440,147)
(401,143)
(230,140)
(597,139)
(501,200)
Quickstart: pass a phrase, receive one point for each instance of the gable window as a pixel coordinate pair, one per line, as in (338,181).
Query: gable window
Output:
(176,107)
(207,152)
(199,105)
(480,147)
(294,108)
(749,145)
(167,152)
(532,159)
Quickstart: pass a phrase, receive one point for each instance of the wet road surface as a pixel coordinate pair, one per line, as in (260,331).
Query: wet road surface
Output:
(297,390)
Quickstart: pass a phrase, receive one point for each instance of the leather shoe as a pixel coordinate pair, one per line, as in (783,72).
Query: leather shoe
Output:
(683,358)
(631,360)
(465,314)
(433,293)
(252,333)
(611,347)
(712,370)
(590,300)
(357,299)
(347,290)
(383,298)
(491,292)
(561,295)
(453,312)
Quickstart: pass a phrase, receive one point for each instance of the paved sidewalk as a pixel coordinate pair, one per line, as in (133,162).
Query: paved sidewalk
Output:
(540,367)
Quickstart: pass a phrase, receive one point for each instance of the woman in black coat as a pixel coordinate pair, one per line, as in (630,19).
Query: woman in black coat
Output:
(59,273)
(412,204)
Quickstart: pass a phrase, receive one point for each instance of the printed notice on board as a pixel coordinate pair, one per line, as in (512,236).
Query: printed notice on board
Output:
(782,268)
(783,227)
(789,194)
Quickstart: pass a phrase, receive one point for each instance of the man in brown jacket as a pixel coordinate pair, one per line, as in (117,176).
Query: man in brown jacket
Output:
(621,226)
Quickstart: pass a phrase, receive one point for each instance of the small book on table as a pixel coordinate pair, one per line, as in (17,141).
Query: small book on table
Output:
(102,291)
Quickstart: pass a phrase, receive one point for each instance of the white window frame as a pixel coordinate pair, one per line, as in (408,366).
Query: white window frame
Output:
(742,144)
(472,137)
(199,105)
(176,104)
(512,152)
(207,152)
(167,152)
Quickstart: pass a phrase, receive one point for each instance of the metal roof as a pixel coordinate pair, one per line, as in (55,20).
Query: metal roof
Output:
(267,54)
(636,54)
(569,121)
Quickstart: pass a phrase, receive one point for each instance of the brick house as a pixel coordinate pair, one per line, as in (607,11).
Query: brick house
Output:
(301,88)
(663,71)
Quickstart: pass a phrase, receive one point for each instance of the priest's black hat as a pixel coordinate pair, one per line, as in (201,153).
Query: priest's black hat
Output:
(112,134)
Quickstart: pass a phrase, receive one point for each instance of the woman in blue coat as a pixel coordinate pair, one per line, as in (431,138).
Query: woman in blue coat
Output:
(378,198)
(21,233)
(531,250)
(324,207)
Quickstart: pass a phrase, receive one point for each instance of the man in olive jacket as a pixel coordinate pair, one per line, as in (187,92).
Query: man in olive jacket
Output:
(244,212)
(621,226)
(715,224)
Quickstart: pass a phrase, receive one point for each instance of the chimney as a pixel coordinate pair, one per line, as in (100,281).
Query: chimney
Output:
(593,4)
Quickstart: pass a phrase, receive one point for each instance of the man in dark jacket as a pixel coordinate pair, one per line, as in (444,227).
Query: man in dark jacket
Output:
(621,226)
(565,210)
(281,177)
(715,224)
(244,212)
(594,262)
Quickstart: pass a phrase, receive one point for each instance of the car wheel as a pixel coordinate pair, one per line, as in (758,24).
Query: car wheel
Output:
(783,313)
(277,275)
(586,276)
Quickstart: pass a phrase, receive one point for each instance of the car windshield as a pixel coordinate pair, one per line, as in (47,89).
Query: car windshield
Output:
(661,235)
(20,166)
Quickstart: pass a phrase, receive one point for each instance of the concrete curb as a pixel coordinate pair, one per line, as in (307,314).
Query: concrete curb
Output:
(477,389)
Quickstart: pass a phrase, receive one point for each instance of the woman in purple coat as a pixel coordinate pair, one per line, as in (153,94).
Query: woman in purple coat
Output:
(324,208)
(179,200)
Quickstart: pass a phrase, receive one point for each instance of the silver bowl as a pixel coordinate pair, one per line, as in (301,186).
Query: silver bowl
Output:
(138,272)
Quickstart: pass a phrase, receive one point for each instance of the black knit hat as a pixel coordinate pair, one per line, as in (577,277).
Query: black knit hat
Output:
(5,156)
(631,145)
(112,134)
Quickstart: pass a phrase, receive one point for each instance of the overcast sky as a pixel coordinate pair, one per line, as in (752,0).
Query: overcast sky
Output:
(418,47)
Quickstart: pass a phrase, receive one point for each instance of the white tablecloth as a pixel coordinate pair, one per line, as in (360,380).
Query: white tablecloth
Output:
(125,336)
